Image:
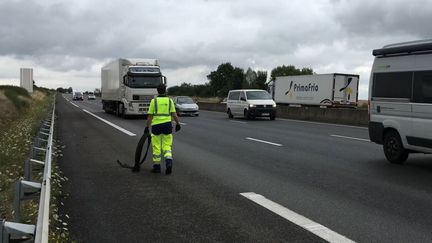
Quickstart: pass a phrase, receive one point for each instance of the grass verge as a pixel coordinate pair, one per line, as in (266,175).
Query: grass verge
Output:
(17,133)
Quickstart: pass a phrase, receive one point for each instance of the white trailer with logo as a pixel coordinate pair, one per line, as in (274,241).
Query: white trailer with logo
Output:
(128,85)
(334,89)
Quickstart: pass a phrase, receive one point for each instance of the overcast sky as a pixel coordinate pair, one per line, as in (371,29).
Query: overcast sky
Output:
(67,42)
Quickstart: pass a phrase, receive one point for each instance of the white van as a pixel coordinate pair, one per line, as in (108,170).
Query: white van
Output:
(400,96)
(250,103)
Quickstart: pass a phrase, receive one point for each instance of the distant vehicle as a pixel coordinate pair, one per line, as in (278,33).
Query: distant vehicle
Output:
(250,103)
(185,105)
(334,89)
(91,96)
(128,85)
(77,96)
(400,99)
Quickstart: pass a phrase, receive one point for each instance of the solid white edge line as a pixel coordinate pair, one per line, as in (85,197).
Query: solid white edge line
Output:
(74,104)
(352,138)
(182,123)
(307,224)
(111,124)
(262,141)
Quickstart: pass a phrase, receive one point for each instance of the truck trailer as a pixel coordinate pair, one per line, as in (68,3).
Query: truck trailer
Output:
(128,85)
(334,89)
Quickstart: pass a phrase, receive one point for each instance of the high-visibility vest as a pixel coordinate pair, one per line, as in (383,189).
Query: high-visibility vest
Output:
(162,108)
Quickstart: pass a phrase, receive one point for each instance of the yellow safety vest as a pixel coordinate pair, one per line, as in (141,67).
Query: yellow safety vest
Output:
(161,108)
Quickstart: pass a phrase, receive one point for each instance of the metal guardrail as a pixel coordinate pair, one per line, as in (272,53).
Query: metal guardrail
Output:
(28,189)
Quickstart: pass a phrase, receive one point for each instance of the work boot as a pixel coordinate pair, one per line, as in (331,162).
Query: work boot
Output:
(168,166)
(156,168)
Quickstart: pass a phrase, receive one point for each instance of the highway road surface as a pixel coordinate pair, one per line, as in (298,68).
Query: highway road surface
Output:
(239,181)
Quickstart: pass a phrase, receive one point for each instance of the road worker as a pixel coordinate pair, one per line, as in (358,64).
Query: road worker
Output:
(160,114)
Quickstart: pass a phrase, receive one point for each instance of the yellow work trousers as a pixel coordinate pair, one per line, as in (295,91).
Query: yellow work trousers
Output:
(162,146)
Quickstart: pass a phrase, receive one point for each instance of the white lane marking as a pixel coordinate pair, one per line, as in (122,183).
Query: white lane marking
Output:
(352,138)
(74,104)
(239,122)
(321,123)
(262,141)
(111,124)
(182,123)
(307,224)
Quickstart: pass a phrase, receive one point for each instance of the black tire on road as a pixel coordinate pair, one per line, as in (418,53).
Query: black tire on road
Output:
(272,117)
(230,115)
(393,148)
(247,115)
(120,111)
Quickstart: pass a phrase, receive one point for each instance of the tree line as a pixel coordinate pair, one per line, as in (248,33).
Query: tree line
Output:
(227,77)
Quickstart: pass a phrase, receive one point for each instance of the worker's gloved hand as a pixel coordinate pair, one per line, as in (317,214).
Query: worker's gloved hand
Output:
(177,128)
(146,130)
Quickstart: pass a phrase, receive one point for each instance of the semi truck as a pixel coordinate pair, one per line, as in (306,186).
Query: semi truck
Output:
(334,89)
(128,85)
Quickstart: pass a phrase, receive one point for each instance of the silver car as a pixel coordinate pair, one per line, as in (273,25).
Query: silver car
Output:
(185,105)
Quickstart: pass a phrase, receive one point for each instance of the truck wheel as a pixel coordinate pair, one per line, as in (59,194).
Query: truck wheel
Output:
(120,111)
(393,148)
(272,117)
(230,115)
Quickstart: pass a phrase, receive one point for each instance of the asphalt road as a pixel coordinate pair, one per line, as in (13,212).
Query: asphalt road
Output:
(330,174)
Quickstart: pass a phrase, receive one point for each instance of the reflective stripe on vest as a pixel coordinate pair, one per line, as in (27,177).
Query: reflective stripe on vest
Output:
(156,107)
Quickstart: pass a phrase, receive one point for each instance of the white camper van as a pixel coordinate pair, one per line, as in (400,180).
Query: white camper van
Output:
(250,103)
(400,96)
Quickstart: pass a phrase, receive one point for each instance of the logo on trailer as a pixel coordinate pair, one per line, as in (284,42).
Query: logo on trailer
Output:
(289,92)
(349,91)
(311,87)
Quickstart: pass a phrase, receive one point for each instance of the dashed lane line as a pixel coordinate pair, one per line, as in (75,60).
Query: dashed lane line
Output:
(263,141)
(307,224)
(352,138)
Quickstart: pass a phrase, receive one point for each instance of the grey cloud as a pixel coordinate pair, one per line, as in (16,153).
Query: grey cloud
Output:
(74,37)
(388,17)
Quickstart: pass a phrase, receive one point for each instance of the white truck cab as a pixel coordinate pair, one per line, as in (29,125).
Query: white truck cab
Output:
(400,99)
(250,103)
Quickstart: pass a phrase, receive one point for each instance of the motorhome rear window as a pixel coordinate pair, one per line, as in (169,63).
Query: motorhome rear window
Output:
(423,87)
(427,87)
(392,85)
(234,95)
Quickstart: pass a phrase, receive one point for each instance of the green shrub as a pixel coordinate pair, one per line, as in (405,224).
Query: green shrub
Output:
(13,93)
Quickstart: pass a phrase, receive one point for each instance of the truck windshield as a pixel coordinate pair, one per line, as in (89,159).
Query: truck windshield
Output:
(258,95)
(143,82)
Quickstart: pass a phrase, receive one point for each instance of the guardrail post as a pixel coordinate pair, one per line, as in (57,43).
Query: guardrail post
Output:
(16,232)
(25,190)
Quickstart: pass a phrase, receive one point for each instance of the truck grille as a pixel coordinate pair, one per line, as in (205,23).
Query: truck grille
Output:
(142,97)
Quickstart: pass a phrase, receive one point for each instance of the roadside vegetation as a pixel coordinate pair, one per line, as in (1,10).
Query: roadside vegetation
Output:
(21,115)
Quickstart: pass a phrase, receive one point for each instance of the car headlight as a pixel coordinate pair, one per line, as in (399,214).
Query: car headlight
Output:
(274,105)
(251,105)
